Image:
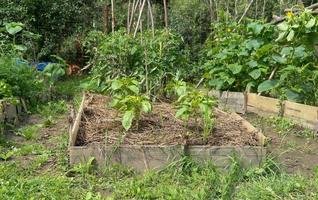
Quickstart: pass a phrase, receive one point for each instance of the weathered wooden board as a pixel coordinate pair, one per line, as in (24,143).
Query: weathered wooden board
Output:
(302,114)
(250,128)
(232,101)
(263,105)
(143,158)
(221,156)
(75,127)
(9,112)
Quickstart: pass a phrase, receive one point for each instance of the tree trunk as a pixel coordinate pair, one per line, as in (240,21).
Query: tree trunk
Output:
(106,18)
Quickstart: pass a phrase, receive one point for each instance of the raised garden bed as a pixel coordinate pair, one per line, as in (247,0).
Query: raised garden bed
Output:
(160,139)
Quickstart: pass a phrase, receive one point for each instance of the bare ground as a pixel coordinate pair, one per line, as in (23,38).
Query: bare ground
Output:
(296,154)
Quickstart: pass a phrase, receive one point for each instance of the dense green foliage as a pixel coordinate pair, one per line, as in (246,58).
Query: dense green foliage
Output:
(22,79)
(263,58)
(54,20)
(152,60)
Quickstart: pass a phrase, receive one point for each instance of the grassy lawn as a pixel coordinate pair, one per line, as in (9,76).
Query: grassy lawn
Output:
(35,166)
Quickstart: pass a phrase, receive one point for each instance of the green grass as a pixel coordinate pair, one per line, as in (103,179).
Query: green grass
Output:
(33,170)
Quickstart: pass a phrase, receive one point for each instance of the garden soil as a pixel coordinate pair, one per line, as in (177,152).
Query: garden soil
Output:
(101,123)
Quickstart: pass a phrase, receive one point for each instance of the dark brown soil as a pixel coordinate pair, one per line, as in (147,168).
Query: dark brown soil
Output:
(101,123)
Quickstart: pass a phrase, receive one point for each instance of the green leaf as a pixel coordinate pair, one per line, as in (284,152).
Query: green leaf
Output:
(14,28)
(252,63)
(146,106)
(134,89)
(235,68)
(281,36)
(255,74)
(127,119)
(267,85)
(252,44)
(116,85)
(286,51)
(311,23)
(300,52)
(255,27)
(279,59)
(181,112)
(291,35)
(292,96)
(250,85)
(283,26)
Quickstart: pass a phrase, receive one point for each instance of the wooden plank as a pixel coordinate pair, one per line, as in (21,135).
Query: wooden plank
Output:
(302,114)
(232,101)
(76,125)
(250,128)
(263,105)
(154,157)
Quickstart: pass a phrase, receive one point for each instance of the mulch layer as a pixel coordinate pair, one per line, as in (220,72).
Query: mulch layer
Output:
(101,123)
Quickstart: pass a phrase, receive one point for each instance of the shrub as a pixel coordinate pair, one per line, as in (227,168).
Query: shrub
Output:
(150,59)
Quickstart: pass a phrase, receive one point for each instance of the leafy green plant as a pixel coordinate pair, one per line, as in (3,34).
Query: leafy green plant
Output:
(124,86)
(24,81)
(5,155)
(30,132)
(195,104)
(131,107)
(128,101)
(5,90)
(151,60)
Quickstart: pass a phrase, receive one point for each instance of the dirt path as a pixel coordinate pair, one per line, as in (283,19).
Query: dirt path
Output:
(296,154)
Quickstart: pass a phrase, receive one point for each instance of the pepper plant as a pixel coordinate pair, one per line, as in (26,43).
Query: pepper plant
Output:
(128,101)
(194,104)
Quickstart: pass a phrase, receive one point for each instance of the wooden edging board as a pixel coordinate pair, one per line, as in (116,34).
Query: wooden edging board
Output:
(239,102)
(304,115)
(9,112)
(145,157)
(232,101)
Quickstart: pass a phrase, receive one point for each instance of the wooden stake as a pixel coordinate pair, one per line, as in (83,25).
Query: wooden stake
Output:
(151,18)
(139,17)
(113,16)
(166,13)
(245,12)
(128,15)
(76,125)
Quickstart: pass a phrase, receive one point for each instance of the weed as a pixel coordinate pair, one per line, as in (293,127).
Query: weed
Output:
(30,132)
(52,109)
(5,155)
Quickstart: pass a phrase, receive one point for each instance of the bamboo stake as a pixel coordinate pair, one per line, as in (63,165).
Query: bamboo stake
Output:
(264,7)
(166,13)
(113,16)
(128,15)
(139,17)
(245,12)
(151,18)
(216,10)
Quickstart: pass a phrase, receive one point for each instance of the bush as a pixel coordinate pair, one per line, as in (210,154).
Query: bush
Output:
(23,80)
(152,60)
